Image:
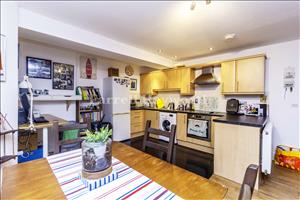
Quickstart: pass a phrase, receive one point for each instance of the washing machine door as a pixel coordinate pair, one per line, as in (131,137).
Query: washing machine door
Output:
(166,125)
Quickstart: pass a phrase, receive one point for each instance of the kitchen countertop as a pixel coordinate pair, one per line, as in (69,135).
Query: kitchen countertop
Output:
(244,120)
(219,114)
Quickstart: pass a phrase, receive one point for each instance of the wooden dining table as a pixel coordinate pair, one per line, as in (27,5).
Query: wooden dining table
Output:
(35,179)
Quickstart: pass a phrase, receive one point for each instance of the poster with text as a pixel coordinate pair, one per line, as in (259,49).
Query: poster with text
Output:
(2,59)
(88,67)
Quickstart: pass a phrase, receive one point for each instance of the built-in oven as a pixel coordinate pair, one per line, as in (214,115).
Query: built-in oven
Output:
(199,126)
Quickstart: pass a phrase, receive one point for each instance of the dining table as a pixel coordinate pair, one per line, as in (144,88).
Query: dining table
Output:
(36,180)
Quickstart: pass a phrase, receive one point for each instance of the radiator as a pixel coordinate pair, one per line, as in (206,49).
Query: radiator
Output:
(266,162)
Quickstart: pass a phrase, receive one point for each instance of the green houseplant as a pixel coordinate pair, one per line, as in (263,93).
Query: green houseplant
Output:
(96,150)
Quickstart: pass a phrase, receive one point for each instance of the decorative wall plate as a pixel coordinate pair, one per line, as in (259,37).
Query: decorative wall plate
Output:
(129,70)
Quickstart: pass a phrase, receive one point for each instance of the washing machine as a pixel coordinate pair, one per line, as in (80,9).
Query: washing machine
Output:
(166,119)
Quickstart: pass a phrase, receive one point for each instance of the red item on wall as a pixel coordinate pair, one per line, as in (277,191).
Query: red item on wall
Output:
(88,69)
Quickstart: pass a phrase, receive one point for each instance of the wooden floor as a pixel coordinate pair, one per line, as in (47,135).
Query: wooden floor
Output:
(283,184)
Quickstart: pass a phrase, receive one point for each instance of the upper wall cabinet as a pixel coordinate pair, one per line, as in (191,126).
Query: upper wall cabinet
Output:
(244,76)
(178,79)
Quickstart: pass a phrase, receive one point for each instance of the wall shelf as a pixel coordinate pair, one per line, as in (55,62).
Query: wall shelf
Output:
(67,98)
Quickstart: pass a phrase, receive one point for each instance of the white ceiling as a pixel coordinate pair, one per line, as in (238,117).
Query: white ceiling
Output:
(175,29)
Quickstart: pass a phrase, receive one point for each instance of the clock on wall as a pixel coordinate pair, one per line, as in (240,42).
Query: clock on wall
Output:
(129,70)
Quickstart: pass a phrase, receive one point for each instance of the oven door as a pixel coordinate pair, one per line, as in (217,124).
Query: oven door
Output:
(199,129)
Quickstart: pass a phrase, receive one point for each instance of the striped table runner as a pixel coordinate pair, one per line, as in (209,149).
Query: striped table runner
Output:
(129,184)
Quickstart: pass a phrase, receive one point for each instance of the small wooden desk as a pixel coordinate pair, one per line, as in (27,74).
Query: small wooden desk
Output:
(35,179)
(45,127)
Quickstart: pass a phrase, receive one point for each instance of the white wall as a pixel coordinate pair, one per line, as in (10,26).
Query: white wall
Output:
(57,54)
(9,88)
(284,112)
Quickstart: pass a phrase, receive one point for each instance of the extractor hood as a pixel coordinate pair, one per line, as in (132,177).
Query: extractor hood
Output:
(207,77)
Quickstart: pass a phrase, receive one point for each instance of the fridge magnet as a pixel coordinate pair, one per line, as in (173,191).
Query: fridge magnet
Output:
(2,59)
(63,76)
(88,67)
(38,68)
(133,84)
(289,77)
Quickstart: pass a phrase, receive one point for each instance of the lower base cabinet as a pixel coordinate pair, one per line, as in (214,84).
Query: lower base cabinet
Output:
(137,123)
(235,148)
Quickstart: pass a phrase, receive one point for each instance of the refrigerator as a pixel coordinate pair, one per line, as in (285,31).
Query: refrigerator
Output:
(117,106)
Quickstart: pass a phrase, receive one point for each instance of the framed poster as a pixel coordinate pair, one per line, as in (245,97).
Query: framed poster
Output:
(3,58)
(63,76)
(133,84)
(38,68)
(88,67)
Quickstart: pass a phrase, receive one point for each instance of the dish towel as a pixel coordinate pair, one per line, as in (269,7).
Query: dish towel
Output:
(129,183)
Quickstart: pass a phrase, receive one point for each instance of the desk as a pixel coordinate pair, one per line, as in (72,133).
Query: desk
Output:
(35,180)
(45,127)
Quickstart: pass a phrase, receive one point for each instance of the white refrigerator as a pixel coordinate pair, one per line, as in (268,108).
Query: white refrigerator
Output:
(117,106)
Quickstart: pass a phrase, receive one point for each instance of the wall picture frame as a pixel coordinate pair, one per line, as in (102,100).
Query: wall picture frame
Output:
(63,76)
(133,84)
(38,68)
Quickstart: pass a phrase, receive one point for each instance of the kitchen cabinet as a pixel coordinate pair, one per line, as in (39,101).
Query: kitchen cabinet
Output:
(250,75)
(153,116)
(173,79)
(235,148)
(243,76)
(181,126)
(137,123)
(158,80)
(145,86)
(187,76)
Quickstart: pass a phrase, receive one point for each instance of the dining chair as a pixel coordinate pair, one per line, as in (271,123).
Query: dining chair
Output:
(61,145)
(165,147)
(247,187)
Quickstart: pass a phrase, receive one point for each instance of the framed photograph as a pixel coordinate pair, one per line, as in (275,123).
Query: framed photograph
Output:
(2,58)
(88,67)
(63,76)
(133,84)
(38,68)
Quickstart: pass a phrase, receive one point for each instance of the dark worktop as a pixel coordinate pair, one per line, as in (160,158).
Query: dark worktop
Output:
(219,114)
(244,120)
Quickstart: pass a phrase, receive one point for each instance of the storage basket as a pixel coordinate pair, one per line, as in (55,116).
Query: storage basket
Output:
(288,157)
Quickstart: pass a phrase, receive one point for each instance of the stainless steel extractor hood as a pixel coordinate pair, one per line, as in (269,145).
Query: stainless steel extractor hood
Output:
(207,77)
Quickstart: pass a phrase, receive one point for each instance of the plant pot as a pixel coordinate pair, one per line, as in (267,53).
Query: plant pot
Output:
(96,156)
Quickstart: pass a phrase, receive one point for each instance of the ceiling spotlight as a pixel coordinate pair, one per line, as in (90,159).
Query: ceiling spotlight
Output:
(230,36)
(159,51)
(208,2)
(193,5)
(211,48)
(175,57)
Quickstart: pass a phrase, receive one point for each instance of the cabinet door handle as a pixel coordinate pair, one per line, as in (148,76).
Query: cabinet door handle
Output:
(237,86)
(222,85)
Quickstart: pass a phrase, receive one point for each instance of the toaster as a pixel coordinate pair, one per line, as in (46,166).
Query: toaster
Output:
(232,106)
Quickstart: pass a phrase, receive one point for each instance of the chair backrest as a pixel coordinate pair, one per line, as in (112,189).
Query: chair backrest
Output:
(166,148)
(248,185)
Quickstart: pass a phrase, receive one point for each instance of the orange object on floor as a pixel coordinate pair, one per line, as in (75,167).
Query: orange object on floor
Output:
(288,157)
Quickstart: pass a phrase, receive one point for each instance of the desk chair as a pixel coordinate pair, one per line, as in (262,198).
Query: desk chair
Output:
(67,145)
(248,182)
(154,143)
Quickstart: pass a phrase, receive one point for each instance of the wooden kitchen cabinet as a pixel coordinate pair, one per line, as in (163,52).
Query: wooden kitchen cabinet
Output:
(235,148)
(243,76)
(145,86)
(153,116)
(187,76)
(137,123)
(250,75)
(181,129)
(158,80)
(228,77)
(173,79)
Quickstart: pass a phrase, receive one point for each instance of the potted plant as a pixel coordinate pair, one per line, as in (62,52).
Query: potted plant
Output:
(96,153)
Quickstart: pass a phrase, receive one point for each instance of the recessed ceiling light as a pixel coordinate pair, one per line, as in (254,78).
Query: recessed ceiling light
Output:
(211,48)
(230,36)
(193,5)
(208,2)
(159,51)
(175,57)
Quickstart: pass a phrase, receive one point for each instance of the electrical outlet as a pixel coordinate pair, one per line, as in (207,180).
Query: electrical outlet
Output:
(263,99)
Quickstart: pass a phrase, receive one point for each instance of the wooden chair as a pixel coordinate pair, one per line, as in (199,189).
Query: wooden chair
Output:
(162,147)
(247,187)
(63,145)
